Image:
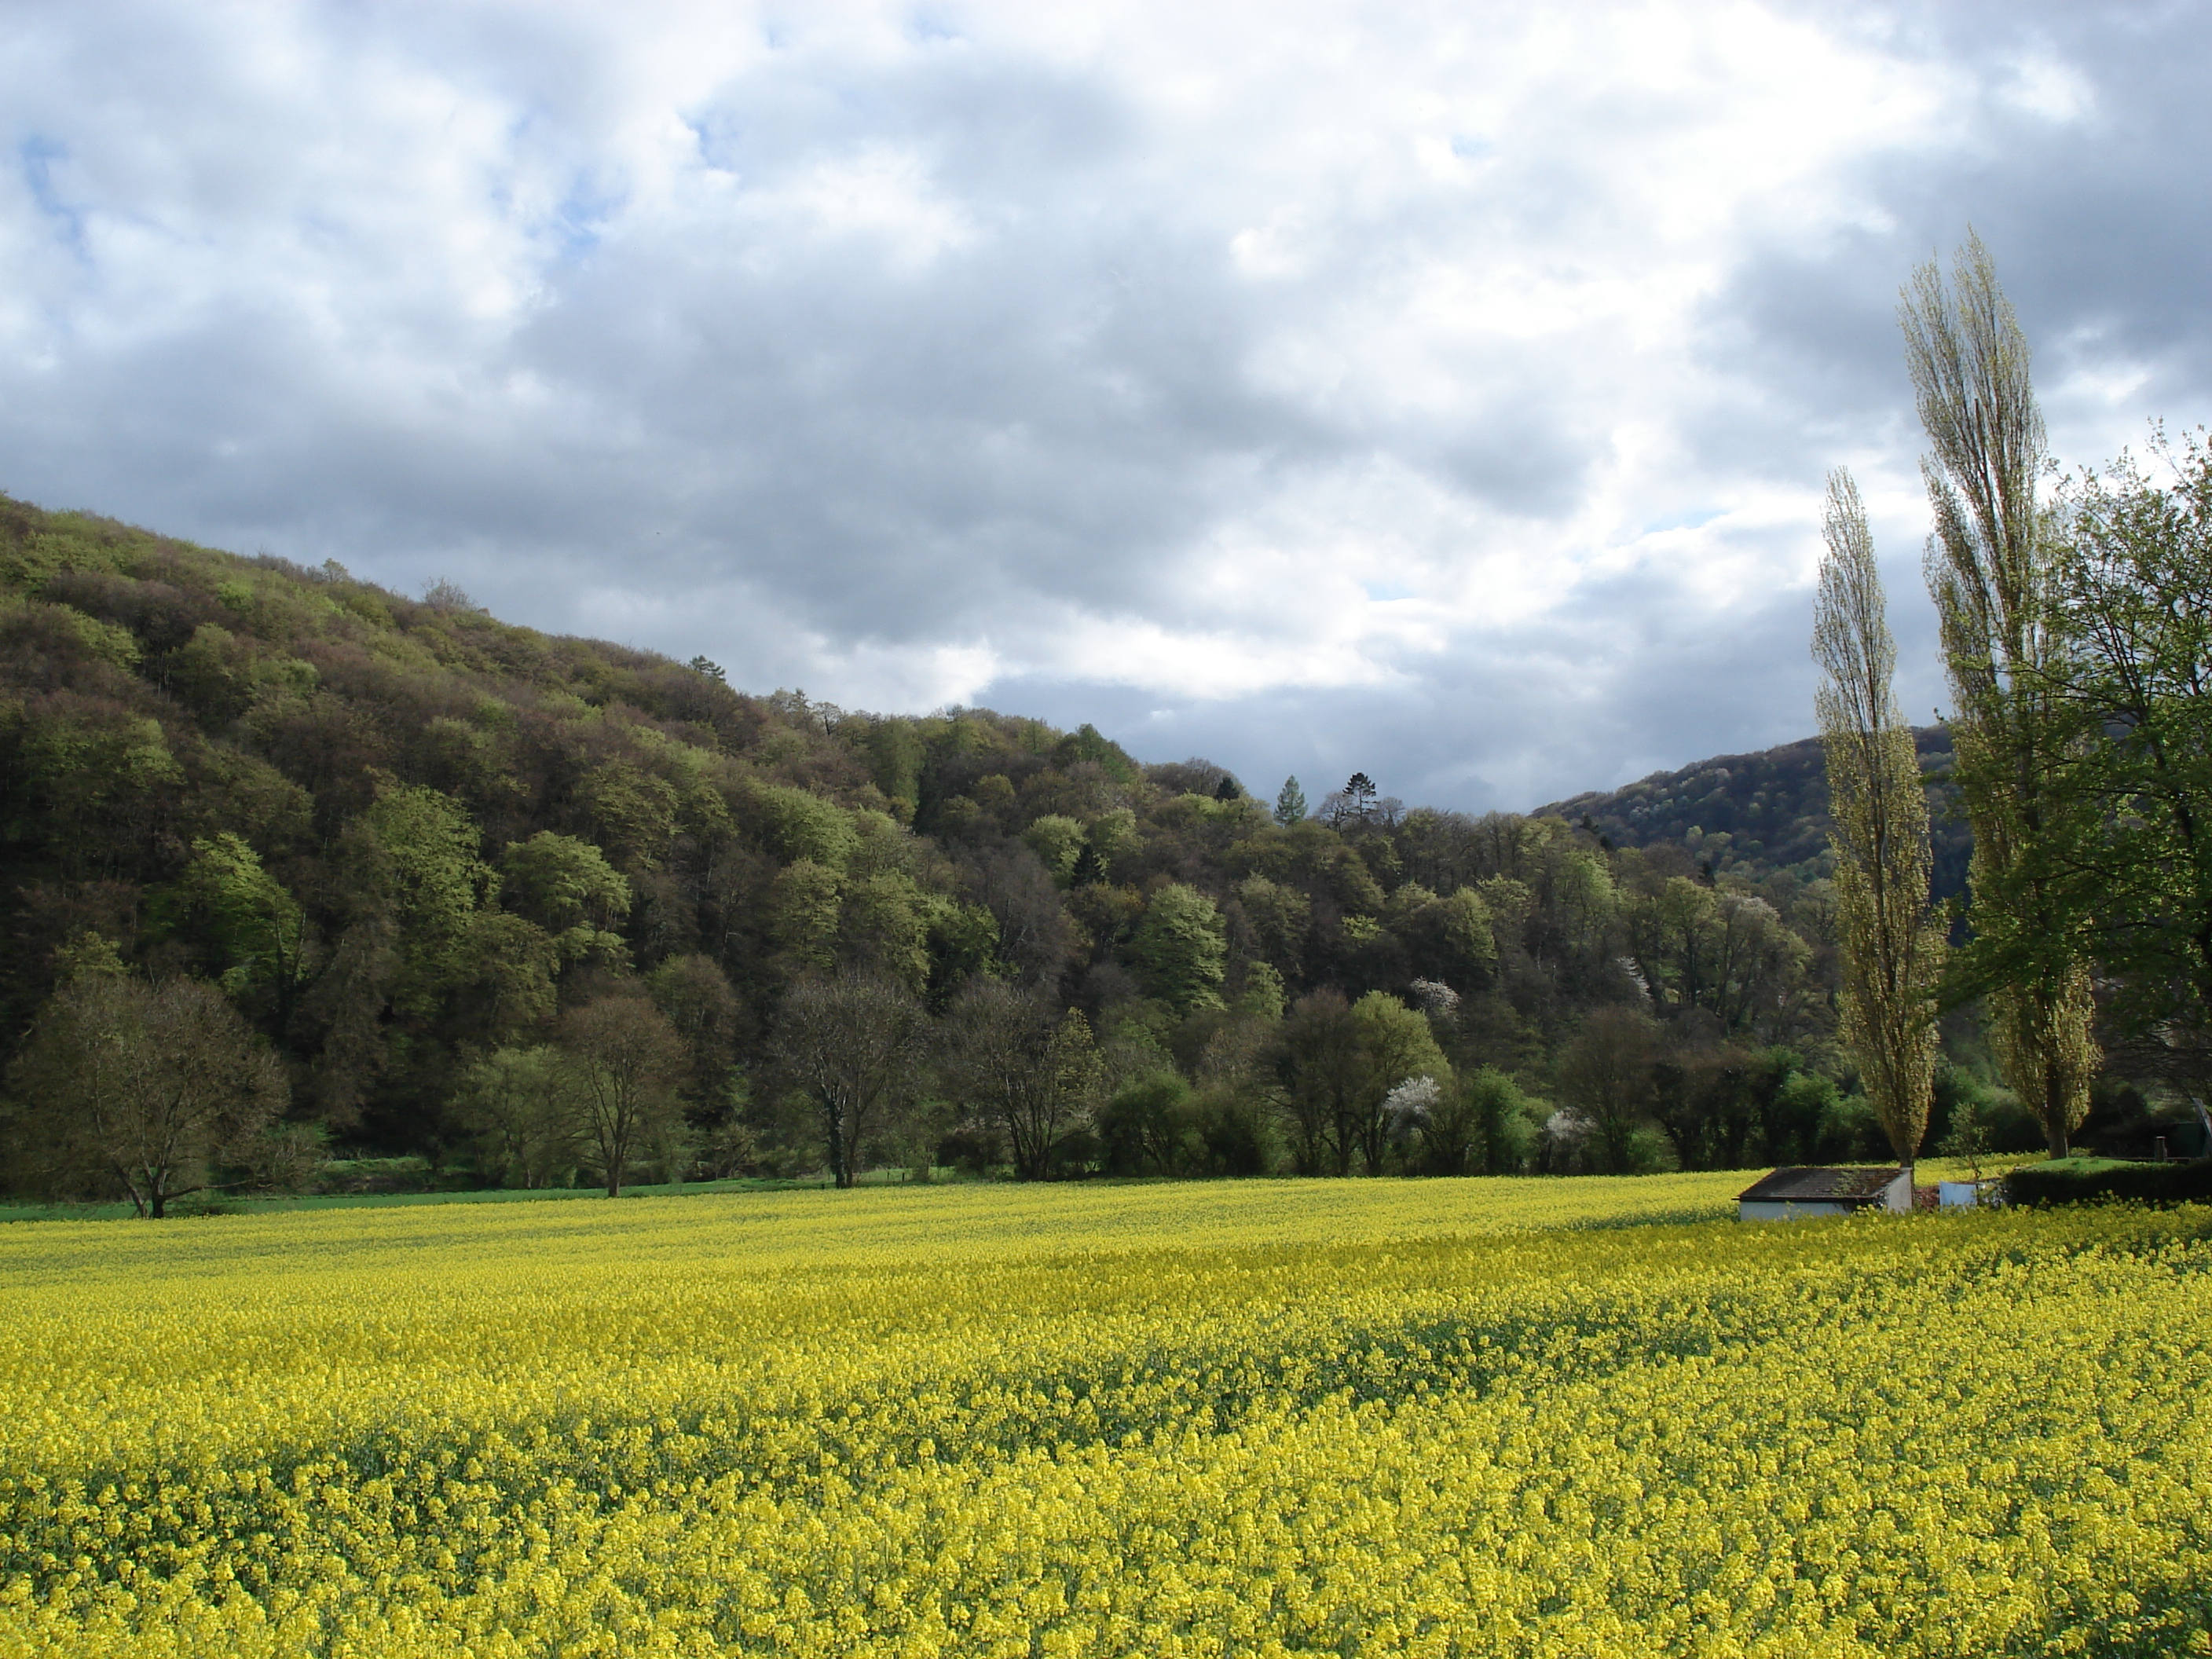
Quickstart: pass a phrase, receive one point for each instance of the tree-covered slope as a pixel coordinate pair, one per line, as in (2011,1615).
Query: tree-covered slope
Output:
(1767,810)
(407,839)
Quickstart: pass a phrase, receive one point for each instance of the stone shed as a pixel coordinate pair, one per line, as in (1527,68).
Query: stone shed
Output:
(1796,1193)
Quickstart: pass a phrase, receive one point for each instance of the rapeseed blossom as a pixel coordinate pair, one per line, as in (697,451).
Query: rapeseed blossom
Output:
(1436,1418)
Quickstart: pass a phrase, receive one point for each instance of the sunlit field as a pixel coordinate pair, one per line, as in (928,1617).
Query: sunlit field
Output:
(1484,1417)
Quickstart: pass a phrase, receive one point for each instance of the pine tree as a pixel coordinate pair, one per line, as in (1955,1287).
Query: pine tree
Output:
(1291,804)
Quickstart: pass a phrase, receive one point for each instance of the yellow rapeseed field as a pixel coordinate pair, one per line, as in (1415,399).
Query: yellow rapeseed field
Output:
(1429,1418)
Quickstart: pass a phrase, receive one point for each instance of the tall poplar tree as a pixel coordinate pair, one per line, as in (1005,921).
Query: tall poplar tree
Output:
(1892,948)
(1991,570)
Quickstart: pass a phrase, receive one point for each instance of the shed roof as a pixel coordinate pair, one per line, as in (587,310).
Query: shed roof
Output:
(1799,1184)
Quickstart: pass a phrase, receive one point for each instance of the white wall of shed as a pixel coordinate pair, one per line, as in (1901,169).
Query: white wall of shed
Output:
(1769,1210)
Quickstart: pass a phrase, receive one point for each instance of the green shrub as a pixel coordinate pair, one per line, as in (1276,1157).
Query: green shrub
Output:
(2077,1180)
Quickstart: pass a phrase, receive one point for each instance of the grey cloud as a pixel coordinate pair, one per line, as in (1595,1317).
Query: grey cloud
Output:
(2101,226)
(1642,675)
(719,425)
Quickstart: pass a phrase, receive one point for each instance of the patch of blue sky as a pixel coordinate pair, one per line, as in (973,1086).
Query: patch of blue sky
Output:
(576,224)
(927,24)
(1695,519)
(714,134)
(36,158)
(1470,145)
(1383,592)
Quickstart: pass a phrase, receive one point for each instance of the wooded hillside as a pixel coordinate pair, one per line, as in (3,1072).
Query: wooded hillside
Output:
(408,841)
(1763,811)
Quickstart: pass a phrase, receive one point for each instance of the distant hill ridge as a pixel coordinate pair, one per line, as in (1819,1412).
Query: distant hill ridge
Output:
(1767,810)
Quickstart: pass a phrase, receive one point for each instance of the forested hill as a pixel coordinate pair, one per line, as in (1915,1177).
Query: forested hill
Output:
(408,841)
(1762,811)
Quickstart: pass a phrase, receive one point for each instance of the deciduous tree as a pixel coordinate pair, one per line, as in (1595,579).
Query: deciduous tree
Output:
(1395,1046)
(521,1105)
(1182,949)
(1022,1064)
(1323,1073)
(854,1046)
(568,888)
(2135,684)
(696,995)
(1892,946)
(255,928)
(1607,1073)
(1991,570)
(624,1061)
(139,1087)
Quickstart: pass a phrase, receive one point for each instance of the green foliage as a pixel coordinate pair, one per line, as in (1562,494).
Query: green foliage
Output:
(1450,938)
(1262,995)
(1180,949)
(1278,916)
(1484,1124)
(1396,1040)
(409,837)
(26,620)
(1150,1126)
(1993,573)
(624,1065)
(962,942)
(803,913)
(895,754)
(695,997)
(1395,1045)
(1057,840)
(430,844)
(794,826)
(503,972)
(1085,744)
(98,775)
(419,854)
(2088,1180)
(138,1089)
(2132,713)
(632,813)
(88,956)
(257,930)
(884,930)
(1113,836)
(519,1105)
(567,887)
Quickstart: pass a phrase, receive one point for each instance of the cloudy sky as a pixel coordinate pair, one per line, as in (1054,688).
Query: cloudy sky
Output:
(1444,390)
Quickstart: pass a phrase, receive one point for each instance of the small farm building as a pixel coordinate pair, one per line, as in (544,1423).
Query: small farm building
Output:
(1793,1194)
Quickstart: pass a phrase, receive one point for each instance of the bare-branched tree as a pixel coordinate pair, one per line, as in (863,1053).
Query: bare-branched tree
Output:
(854,1045)
(140,1088)
(1019,1063)
(625,1062)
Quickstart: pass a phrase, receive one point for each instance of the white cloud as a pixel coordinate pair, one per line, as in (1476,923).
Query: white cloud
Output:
(1449,386)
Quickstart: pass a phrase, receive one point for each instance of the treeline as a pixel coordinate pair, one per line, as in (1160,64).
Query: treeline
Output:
(541,909)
